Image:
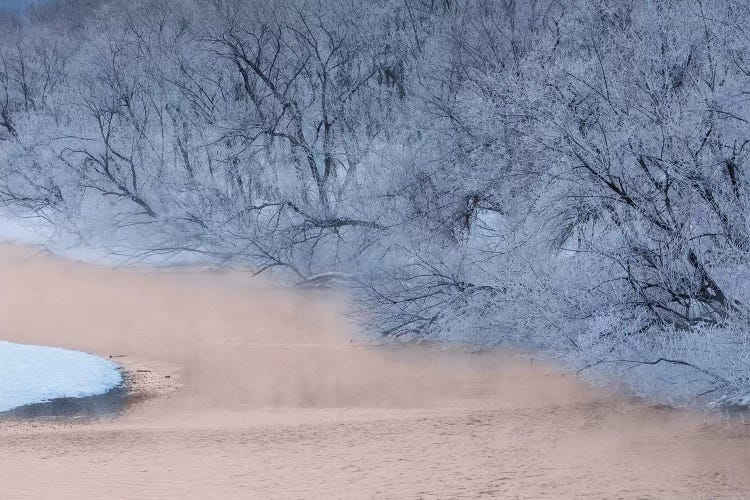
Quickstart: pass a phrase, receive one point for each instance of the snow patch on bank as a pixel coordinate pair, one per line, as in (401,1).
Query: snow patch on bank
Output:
(22,231)
(35,374)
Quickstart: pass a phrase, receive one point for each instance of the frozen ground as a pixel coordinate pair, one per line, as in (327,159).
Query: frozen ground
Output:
(34,374)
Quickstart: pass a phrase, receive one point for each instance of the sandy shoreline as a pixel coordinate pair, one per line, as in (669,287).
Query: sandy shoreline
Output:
(248,392)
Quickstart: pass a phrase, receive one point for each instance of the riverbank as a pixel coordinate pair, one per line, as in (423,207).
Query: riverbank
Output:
(256,392)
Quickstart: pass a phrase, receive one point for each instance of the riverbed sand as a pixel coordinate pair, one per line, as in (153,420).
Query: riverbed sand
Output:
(243,391)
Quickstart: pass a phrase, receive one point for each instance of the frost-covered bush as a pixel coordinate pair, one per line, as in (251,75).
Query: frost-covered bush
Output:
(704,365)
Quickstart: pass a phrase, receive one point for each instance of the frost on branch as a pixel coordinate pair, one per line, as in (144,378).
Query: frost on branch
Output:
(563,175)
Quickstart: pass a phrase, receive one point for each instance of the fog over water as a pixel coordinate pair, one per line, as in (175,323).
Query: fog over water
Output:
(241,391)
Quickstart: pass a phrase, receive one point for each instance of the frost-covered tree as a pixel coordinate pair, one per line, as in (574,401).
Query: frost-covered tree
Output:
(562,174)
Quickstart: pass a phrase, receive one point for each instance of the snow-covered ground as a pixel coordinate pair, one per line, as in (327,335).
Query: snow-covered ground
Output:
(35,374)
(16,231)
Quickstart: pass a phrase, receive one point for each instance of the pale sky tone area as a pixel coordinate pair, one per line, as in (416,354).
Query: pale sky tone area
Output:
(14,4)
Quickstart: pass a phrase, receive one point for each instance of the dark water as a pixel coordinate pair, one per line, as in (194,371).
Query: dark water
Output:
(108,404)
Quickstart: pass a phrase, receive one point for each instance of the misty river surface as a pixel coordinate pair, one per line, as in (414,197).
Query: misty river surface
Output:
(242,391)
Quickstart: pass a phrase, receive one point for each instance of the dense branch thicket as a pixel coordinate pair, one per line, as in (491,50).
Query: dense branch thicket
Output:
(562,174)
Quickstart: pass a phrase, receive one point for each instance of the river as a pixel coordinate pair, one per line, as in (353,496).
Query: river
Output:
(244,391)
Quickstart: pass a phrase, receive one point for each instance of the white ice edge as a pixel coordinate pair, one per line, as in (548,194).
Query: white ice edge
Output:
(35,374)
